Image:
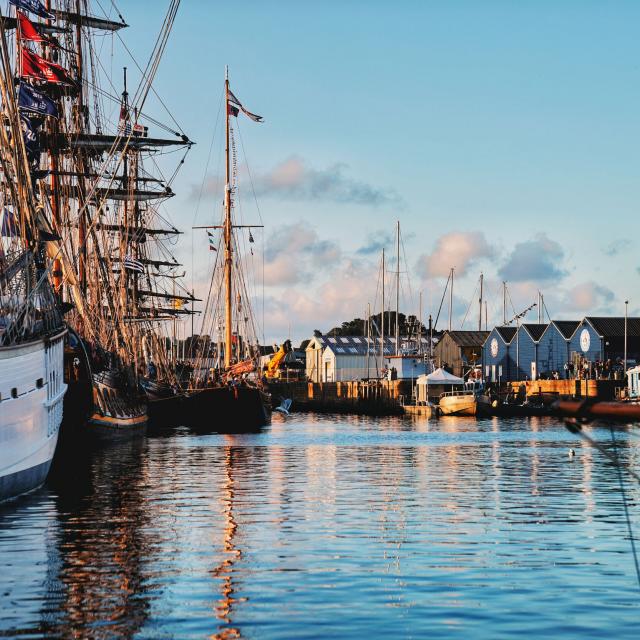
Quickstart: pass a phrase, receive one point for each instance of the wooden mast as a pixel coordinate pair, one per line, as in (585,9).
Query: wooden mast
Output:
(228,254)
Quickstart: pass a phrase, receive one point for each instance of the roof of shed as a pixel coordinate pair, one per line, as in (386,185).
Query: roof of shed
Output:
(567,327)
(535,330)
(468,338)
(614,327)
(506,333)
(357,345)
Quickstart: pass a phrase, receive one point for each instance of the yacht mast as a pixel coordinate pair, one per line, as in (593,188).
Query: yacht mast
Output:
(398,288)
(228,257)
(382,319)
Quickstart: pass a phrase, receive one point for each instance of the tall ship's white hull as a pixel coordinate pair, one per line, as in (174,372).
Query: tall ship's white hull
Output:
(32,389)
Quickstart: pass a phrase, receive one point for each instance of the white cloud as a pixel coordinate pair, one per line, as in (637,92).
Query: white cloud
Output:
(459,249)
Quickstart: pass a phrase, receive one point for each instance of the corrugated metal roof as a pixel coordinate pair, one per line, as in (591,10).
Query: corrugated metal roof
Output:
(506,333)
(566,327)
(357,345)
(535,330)
(614,327)
(468,338)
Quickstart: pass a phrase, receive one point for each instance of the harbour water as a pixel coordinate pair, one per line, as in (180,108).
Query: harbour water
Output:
(325,526)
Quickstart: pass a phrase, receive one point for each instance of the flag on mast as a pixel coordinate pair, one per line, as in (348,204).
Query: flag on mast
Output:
(33,6)
(30,99)
(131,264)
(235,103)
(33,66)
(29,32)
(211,242)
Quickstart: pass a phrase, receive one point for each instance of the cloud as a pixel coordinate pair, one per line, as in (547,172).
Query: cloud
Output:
(459,249)
(294,253)
(616,247)
(376,241)
(534,260)
(294,179)
(588,297)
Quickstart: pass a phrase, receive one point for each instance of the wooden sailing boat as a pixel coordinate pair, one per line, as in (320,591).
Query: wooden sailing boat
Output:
(31,328)
(100,203)
(230,396)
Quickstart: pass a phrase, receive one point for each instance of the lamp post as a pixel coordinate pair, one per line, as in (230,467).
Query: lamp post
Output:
(626,318)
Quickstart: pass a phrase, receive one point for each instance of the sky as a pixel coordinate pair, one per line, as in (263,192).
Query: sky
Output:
(502,135)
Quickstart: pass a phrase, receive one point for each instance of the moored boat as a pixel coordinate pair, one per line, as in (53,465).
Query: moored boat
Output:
(230,396)
(31,398)
(468,401)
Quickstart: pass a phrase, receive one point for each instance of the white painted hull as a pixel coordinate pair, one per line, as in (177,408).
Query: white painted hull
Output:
(32,389)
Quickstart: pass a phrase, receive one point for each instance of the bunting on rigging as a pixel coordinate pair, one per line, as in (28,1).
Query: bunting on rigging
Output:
(234,103)
(131,264)
(33,66)
(29,32)
(29,99)
(9,227)
(211,241)
(33,6)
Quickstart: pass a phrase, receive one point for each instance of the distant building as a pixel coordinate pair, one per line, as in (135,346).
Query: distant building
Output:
(499,356)
(460,351)
(339,358)
(598,338)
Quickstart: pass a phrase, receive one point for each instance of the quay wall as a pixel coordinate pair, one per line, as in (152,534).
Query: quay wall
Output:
(601,389)
(380,397)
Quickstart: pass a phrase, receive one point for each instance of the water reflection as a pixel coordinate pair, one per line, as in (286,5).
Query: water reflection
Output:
(231,553)
(328,527)
(95,570)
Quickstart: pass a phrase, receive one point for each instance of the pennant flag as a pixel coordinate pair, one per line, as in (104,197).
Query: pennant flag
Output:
(233,101)
(33,6)
(232,110)
(33,66)
(9,227)
(31,100)
(211,241)
(29,32)
(131,264)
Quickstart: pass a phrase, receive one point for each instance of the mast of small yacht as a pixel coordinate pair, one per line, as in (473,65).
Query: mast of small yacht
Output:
(228,257)
(398,288)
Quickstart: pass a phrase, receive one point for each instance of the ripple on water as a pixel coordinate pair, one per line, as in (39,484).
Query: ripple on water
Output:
(328,526)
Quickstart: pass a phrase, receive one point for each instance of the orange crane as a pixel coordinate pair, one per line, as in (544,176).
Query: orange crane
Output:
(274,364)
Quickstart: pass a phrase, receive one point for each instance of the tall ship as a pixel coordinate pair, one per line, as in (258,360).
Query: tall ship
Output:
(229,394)
(113,273)
(32,331)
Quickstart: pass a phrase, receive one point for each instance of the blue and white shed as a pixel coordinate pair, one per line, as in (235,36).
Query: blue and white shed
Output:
(497,355)
(527,350)
(553,347)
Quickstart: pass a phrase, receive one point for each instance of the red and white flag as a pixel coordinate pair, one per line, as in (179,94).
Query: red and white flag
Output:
(33,66)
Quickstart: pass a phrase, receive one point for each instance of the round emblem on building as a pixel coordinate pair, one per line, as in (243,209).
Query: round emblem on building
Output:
(494,348)
(585,340)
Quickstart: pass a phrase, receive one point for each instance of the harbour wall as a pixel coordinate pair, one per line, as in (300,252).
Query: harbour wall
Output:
(379,397)
(600,389)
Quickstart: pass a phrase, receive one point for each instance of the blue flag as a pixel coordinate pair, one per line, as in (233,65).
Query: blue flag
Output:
(9,227)
(29,99)
(31,139)
(34,6)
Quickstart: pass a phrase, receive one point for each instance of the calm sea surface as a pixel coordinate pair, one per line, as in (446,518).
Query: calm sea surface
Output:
(323,526)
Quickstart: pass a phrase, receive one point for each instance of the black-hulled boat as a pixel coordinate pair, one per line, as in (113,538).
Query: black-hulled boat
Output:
(230,396)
